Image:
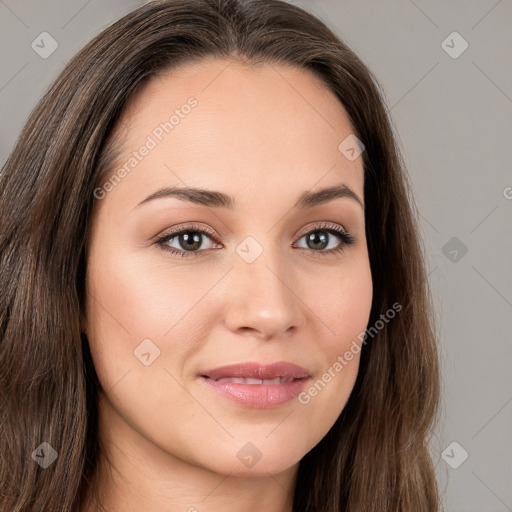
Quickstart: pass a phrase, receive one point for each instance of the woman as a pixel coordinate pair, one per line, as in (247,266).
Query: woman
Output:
(214,292)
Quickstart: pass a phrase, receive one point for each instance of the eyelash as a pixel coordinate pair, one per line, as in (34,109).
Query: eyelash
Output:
(346,239)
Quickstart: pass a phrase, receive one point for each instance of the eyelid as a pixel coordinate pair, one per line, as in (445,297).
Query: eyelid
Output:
(192,226)
(200,227)
(322,225)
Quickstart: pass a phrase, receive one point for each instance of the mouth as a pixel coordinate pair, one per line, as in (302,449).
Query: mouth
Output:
(258,371)
(251,381)
(257,385)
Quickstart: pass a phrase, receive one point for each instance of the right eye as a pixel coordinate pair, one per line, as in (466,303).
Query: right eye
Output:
(189,238)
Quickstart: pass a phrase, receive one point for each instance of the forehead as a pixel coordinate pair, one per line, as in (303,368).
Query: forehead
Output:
(241,93)
(251,127)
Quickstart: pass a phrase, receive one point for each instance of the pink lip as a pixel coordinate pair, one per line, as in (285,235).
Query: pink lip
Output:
(258,371)
(259,396)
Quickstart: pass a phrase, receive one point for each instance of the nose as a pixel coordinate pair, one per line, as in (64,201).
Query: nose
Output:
(262,300)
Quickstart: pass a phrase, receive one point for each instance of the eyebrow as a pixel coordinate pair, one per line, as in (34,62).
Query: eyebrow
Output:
(216,199)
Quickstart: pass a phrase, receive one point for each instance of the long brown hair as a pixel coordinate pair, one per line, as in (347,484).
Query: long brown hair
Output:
(375,457)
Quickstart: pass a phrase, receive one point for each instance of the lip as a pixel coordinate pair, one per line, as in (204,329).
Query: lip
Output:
(258,371)
(257,395)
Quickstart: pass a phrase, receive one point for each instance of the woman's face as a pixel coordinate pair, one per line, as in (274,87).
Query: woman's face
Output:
(260,280)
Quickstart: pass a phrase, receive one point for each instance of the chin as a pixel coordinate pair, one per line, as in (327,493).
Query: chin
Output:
(253,460)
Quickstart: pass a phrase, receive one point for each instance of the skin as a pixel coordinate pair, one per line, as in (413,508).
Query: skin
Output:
(263,135)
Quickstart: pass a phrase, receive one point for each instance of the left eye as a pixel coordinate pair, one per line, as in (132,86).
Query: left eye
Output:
(320,237)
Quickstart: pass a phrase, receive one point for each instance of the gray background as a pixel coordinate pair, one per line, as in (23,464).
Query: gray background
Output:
(453,118)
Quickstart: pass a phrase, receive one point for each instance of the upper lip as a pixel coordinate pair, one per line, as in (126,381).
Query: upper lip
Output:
(258,371)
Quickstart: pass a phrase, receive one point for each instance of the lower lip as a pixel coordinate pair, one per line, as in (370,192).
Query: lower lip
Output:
(258,396)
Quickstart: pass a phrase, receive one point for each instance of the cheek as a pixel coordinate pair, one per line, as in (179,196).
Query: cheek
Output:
(130,310)
(344,310)
(142,312)
(122,310)
(342,301)
(143,299)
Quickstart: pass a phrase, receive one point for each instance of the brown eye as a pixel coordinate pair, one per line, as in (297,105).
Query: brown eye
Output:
(319,239)
(190,240)
(187,241)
